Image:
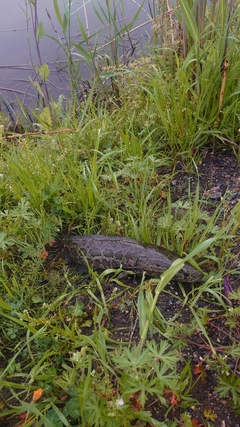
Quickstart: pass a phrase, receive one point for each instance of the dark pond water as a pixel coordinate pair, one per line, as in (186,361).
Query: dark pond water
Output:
(17,44)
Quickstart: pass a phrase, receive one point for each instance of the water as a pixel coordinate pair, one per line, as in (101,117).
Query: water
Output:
(18,51)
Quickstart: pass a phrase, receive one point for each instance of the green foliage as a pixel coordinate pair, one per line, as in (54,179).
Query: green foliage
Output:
(229,387)
(102,179)
(174,93)
(106,174)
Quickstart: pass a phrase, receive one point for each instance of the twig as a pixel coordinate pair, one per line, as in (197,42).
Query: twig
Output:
(47,132)
(224,79)
(207,346)
(236,366)
(225,63)
(220,329)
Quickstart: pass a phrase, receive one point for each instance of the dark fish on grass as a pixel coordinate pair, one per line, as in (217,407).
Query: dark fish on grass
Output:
(110,252)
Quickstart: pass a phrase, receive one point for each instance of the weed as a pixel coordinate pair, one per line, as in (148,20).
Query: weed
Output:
(116,357)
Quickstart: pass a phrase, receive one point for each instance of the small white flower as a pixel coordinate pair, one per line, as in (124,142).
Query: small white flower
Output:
(76,357)
(119,402)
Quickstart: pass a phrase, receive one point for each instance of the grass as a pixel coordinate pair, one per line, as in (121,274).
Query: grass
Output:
(65,361)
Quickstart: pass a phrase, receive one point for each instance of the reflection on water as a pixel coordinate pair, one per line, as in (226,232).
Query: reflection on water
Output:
(17,44)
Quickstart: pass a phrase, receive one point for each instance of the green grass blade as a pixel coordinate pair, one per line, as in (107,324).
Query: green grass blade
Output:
(190,20)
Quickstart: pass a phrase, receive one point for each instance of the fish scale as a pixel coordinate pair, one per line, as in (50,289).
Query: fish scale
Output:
(112,252)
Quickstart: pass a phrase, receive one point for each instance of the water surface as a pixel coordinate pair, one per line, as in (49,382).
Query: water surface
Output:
(17,45)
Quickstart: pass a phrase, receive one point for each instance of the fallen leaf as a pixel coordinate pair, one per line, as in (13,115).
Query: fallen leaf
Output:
(171,397)
(43,254)
(195,422)
(134,400)
(37,394)
(198,368)
(23,418)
